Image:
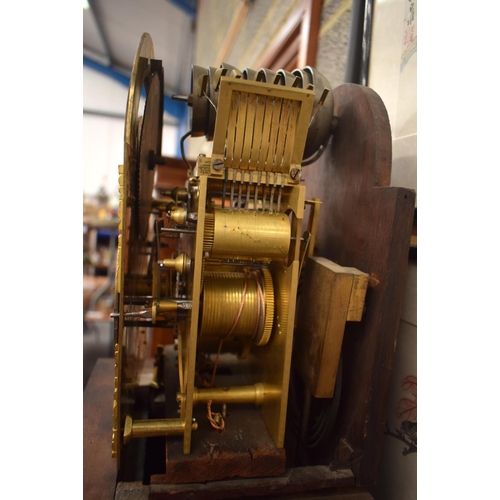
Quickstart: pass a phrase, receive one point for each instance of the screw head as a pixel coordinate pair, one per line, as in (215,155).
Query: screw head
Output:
(218,164)
(295,174)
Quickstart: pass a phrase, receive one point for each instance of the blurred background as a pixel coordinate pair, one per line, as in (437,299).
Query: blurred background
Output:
(369,42)
(111,33)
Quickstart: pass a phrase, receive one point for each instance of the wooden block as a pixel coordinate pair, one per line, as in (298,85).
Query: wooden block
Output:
(358,294)
(331,294)
(243,449)
(171,175)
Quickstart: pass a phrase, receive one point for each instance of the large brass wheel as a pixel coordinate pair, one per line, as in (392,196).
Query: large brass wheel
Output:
(142,142)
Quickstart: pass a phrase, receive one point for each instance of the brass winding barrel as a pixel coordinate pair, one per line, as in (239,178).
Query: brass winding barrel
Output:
(247,234)
(238,305)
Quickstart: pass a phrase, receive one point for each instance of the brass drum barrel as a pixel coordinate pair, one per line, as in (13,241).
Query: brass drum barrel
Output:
(247,234)
(238,305)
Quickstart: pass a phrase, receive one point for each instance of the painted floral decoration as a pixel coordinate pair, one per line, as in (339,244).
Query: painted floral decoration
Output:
(406,411)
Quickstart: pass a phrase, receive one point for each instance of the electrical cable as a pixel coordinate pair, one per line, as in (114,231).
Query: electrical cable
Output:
(183,153)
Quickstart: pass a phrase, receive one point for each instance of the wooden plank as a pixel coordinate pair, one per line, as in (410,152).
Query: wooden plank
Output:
(309,33)
(285,36)
(243,449)
(133,490)
(139,491)
(99,469)
(232,32)
(174,173)
(365,223)
(300,31)
(297,480)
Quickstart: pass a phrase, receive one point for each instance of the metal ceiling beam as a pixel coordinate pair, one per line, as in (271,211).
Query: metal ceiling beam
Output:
(119,116)
(174,108)
(100,30)
(187,6)
(95,57)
